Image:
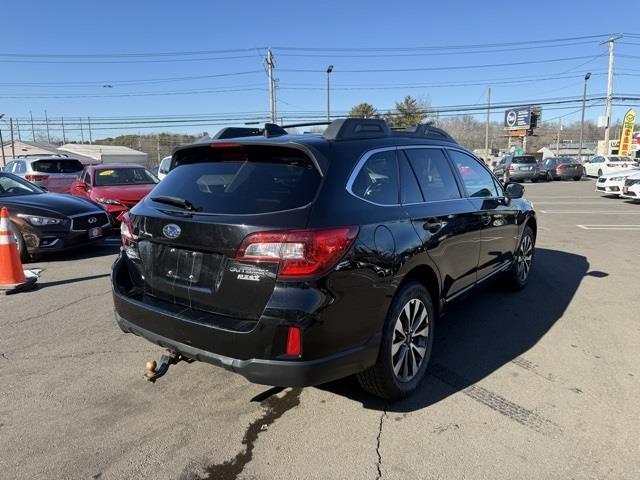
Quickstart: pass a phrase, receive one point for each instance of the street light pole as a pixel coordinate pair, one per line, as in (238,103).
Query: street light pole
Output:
(584,102)
(329,70)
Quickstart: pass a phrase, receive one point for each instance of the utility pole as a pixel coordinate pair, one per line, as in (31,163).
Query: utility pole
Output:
(272,89)
(158,147)
(13,143)
(584,103)
(4,160)
(90,138)
(611,41)
(64,139)
(18,129)
(329,70)
(33,130)
(486,129)
(558,138)
(81,131)
(46,121)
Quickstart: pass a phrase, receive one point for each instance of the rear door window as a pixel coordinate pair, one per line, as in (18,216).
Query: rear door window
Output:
(476,179)
(409,188)
(434,173)
(242,180)
(20,168)
(377,180)
(57,166)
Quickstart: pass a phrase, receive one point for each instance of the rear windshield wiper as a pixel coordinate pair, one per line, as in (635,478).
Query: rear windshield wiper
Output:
(177,202)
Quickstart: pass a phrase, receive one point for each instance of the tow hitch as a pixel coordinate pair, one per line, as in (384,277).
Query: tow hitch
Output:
(155,371)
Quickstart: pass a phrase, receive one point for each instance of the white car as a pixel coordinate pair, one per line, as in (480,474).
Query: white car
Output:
(612,183)
(164,167)
(631,187)
(600,164)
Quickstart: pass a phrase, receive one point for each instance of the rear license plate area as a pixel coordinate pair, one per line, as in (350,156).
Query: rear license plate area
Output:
(179,264)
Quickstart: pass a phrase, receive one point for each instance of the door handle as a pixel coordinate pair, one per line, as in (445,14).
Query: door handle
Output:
(432,225)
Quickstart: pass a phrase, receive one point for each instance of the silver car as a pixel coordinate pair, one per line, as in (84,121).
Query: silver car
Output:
(55,173)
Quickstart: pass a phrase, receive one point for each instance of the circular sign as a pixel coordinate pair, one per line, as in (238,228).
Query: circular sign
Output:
(512,117)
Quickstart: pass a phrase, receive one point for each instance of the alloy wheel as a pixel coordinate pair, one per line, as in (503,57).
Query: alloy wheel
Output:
(524,258)
(410,339)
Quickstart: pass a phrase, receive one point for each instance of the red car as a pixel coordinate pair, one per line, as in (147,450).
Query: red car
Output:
(116,187)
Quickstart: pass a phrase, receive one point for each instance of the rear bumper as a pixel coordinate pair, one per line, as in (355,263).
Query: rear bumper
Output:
(251,349)
(279,373)
(516,175)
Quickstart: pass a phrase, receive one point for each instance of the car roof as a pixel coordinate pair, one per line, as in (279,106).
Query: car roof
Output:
(45,157)
(112,166)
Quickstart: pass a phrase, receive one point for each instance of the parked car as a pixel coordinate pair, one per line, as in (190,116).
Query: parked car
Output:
(54,173)
(163,168)
(47,222)
(631,188)
(599,165)
(296,260)
(612,183)
(518,168)
(116,187)
(560,168)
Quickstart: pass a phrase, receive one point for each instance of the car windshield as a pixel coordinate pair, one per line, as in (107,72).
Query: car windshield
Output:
(10,185)
(57,166)
(524,159)
(123,176)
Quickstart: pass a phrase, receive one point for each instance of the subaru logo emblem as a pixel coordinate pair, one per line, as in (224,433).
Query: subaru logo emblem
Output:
(171,230)
(92,220)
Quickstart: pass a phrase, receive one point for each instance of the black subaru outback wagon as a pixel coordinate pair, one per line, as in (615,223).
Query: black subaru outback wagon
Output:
(297,260)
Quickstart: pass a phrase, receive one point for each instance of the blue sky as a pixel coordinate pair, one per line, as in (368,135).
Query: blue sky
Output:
(90,28)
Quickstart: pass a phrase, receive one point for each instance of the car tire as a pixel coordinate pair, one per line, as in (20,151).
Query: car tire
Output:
(577,179)
(534,180)
(549,177)
(397,374)
(22,247)
(518,275)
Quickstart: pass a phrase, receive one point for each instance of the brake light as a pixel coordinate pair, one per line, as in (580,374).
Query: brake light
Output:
(294,343)
(611,165)
(225,145)
(510,167)
(299,253)
(36,178)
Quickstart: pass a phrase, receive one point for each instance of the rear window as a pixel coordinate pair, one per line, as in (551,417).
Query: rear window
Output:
(242,181)
(565,161)
(524,159)
(57,166)
(123,176)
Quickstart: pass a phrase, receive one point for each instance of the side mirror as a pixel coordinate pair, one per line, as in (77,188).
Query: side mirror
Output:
(513,190)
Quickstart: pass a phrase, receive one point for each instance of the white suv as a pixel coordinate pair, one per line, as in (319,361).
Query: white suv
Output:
(600,164)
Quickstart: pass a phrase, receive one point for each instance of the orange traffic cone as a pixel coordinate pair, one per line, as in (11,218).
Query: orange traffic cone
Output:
(12,277)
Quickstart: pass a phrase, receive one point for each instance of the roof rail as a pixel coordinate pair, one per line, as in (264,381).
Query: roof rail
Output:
(423,130)
(269,130)
(356,128)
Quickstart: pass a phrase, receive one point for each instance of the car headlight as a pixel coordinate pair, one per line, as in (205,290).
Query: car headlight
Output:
(108,201)
(617,179)
(40,221)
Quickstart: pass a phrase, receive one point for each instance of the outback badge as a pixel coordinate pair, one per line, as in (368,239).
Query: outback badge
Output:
(171,230)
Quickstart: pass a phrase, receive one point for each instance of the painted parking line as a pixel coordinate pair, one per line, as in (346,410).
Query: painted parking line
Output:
(609,227)
(569,203)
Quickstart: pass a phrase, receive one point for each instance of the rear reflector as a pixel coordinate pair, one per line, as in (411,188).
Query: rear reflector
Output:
(294,345)
(300,253)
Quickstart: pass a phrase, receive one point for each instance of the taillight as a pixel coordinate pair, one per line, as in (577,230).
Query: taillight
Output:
(610,165)
(510,168)
(127,237)
(35,178)
(299,253)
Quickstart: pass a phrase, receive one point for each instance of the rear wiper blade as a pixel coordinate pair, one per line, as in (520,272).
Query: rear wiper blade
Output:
(176,201)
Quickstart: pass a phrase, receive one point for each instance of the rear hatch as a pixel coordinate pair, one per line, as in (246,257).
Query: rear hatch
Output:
(525,163)
(569,167)
(190,228)
(57,174)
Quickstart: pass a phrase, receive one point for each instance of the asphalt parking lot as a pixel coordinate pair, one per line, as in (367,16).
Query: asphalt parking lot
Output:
(543,383)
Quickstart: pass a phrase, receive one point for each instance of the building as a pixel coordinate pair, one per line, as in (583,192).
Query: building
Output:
(90,154)
(22,147)
(569,149)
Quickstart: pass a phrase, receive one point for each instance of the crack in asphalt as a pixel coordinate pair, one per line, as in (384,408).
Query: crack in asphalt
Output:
(379,463)
(62,307)
(275,408)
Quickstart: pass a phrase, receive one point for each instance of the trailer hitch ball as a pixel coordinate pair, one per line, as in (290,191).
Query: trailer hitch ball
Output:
(150,367)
